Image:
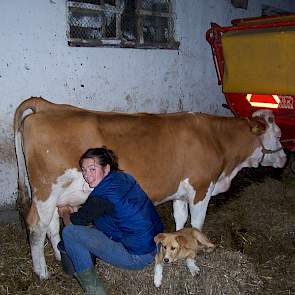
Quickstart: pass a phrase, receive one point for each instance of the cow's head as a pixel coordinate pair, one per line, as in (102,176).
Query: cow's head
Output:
(272,153)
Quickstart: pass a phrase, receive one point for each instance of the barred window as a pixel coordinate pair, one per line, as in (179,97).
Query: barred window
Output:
(121,23)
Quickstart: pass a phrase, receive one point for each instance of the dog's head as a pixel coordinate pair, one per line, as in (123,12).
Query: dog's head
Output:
(170,246)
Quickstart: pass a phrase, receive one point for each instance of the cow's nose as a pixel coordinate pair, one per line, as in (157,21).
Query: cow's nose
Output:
(166,260)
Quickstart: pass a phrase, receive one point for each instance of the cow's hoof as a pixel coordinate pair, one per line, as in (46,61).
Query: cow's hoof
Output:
(44,275)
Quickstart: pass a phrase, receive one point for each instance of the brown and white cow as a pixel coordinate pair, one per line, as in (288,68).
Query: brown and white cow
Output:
(184,157)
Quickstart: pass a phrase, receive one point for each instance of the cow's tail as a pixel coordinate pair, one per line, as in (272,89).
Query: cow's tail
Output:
(33,104)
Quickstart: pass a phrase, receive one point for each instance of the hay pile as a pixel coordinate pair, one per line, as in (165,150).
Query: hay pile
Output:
(260,223)
(222,272)
(253,226)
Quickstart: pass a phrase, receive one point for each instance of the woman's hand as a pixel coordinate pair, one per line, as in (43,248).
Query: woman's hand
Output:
(65,212)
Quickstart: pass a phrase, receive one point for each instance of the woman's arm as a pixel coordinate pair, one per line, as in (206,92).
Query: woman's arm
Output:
(92,208)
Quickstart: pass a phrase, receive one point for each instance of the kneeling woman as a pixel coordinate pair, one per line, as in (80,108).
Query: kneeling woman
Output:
(125,221)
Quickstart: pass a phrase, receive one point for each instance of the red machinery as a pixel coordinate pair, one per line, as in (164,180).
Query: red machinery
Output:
(253,63)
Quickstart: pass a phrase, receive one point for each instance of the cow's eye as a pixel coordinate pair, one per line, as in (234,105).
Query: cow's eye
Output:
(165,247)
(173,248)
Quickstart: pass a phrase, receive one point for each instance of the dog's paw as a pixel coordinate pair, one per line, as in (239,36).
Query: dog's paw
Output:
(158,279)
(157,282)
(158,275)
(194,270)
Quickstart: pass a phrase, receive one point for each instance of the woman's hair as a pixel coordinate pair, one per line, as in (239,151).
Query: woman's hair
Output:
(103,155)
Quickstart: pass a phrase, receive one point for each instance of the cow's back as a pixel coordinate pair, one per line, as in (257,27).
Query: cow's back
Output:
(159,150)
(147,146)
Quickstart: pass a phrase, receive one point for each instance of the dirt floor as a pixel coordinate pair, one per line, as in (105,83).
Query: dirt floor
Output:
(253,225)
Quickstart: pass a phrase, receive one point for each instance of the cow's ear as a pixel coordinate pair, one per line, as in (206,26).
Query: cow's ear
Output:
(257,125)
(159,237)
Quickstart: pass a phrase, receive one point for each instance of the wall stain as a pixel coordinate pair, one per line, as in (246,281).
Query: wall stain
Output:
(7,151)
(180,105)
(131,103)
(164,105)
(7,147)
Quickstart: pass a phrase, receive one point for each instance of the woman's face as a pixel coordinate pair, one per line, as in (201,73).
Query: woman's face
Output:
(94,173)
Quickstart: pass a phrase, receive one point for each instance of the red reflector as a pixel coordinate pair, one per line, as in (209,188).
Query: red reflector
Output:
(263,100)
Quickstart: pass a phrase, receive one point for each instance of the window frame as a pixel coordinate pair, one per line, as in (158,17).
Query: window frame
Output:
(78,6)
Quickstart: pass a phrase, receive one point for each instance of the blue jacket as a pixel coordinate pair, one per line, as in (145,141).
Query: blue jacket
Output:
(134,220)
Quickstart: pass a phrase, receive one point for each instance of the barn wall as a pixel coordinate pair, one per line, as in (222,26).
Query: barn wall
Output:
(36,61)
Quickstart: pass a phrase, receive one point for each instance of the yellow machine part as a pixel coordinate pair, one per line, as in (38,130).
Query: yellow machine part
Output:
(266,20)
(259,61)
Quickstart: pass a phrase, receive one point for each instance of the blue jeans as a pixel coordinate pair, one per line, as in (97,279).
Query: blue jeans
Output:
(82,241)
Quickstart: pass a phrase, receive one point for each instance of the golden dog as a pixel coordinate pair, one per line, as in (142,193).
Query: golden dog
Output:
(182,244)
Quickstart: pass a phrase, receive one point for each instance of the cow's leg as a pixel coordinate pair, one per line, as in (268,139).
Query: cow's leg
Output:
(53,233)
(198,210)
(37,239)
(39,220)
(180,212)
(180,200)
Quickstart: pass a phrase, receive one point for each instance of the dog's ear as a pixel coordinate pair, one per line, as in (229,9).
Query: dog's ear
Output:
(181,240)
(159,237)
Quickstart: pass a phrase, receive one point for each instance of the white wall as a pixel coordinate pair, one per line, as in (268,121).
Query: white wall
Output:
(36,61)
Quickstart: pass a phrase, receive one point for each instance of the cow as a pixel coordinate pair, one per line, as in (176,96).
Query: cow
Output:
(185,157)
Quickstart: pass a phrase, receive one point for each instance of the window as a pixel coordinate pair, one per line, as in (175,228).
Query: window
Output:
(121,23)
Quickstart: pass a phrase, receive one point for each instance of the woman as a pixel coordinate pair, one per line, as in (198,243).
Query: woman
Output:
(125,221)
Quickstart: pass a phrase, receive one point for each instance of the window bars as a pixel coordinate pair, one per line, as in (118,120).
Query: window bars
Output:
(121,23)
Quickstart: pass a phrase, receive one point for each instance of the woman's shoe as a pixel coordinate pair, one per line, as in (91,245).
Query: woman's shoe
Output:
(89,282)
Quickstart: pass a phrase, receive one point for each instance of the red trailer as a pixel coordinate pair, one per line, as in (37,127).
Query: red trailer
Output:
(255,64)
